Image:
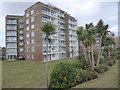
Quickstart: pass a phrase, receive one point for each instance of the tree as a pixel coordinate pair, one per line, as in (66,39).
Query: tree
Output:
(102,31)
(82,37)
(108,41)
(91,36)
(49,29)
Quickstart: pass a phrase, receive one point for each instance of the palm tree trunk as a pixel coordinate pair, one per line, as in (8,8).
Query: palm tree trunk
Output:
(93,63)
(99,56)
(90,58)
(85,54)
(109,52)
(46,74)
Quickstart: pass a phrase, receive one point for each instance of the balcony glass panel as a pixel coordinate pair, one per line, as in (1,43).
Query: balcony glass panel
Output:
(11,45)
(11,27)
(11,39)
(9,51)
(11,33)
(11,21)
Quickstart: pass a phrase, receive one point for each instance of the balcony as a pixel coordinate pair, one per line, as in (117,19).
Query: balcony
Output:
(61,26)
(45,12)
(72,28)
(45,20)
(72,22)
(73,39)
(11,40)
(61,21)
(11,21)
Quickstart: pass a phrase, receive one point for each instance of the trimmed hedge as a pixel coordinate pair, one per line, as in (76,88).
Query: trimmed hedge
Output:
(101,68)
(65,75)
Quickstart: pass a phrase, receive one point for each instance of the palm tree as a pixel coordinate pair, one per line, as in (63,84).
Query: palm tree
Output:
(108,41)
(91,37)
(91,31)
(82,37)
(49,29)
(102,31)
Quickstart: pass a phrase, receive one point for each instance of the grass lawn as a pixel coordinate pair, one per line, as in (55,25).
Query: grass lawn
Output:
(26,74)
(107,80)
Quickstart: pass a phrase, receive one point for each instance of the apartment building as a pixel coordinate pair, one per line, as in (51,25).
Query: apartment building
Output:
(14,37)
(65,43)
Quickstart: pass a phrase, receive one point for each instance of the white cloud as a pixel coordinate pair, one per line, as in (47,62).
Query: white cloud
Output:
(114,29)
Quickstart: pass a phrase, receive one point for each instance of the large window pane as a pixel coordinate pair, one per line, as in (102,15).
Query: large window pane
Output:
(11,21)
(11,33)
(11,27)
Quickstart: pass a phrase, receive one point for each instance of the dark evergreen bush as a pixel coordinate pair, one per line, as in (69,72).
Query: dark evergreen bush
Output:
(101,68)
(63,76)
(80,65)
(110,62)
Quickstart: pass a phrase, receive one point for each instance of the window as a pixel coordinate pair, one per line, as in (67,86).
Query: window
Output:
(21,20)
(27,21)
(9,51)
(44,49)
(21,43)
(11,27)
(32,19)
(28,49)
(32,34)
(27,14)
(53,55)
(21,32)
(32,26)
(27,28)
(32,56)
(10,39)
(27,35)
(45,19)
(32,41)
(11,33)
(11,21)
(28,56)
(32,49)
(44,57)
(32,12)
(21,26)
(21,49)
(28,42)
(21,38)
(11,45)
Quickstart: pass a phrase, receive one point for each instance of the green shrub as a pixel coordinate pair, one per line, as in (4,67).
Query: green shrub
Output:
(101,68)
(67,75)
(80,65)
(110,62)
(84,75)
(63,76)
(118,57)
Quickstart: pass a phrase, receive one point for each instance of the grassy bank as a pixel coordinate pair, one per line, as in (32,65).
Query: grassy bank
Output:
(25,74)
(107,80)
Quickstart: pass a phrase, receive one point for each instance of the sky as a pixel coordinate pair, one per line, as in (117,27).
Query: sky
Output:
(85,11)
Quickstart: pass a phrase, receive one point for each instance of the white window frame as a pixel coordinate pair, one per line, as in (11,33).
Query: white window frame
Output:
(32,12)
(32,26)
(32,34)
(32,19)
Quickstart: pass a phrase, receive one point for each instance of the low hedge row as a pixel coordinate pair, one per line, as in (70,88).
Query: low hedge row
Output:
(66,75)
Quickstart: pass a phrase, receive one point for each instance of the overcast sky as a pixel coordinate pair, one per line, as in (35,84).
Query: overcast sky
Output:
(85,11)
